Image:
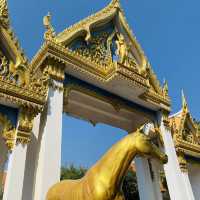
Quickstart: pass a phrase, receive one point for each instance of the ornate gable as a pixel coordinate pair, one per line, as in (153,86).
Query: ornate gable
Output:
(17,85)
(185,132)
(115,42)
(103,48)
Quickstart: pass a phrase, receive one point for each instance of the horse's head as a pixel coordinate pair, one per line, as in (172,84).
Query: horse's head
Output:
(145,147)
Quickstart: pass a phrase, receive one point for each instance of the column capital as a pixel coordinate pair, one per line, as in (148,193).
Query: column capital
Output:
(165,118)
(182,161)
(8,132)
(25,125)
(55,69)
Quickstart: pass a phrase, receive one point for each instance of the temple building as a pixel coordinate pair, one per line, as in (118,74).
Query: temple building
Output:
(185,133)
(97,71)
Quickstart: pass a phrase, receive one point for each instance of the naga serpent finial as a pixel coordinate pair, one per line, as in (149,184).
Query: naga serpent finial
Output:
(50,33)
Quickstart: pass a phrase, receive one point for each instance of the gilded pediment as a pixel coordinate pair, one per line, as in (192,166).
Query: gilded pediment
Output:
(104,38)
(17,84)
(185,131)
(12,58)
(189,131)
(103,47)
(111,26)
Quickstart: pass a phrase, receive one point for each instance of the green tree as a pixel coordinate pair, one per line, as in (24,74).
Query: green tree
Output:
(130,187)
(72,172)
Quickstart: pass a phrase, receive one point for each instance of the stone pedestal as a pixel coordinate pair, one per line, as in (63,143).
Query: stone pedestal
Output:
(49,157)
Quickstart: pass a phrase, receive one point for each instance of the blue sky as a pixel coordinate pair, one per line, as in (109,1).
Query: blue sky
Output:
(169,33)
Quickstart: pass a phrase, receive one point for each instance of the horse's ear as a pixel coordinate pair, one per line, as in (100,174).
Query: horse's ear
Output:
(141,129)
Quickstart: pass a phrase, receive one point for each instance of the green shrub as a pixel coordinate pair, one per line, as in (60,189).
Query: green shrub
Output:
(1,194)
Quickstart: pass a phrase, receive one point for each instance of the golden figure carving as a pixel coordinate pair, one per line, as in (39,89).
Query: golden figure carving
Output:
(103,181)
(122,49)
(97,50)
(16,72)
(19,72)
(4,18)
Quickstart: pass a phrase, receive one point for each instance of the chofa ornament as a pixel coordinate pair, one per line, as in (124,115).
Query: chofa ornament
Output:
(103,181)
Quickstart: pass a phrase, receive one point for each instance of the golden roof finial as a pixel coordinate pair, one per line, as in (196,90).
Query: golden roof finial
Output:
(116,4)
(50,33)
(4,17)
(184,102)
(165,88)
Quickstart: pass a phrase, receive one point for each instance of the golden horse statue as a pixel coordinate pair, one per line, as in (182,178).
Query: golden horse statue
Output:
(104,180)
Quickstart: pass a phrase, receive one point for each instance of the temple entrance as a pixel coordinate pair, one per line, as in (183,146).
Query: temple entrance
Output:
(86,102)
(94,70)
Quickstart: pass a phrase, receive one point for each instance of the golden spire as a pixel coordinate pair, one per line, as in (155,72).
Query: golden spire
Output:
(4,17)
(116,4)
(184,102)
(165,88)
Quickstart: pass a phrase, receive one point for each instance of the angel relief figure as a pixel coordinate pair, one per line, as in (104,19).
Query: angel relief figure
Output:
(3,65)
(122,49)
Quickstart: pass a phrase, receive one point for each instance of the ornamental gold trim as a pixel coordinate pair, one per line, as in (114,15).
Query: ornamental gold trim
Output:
(25,125)
(182,161)
(8,132)
(115,70)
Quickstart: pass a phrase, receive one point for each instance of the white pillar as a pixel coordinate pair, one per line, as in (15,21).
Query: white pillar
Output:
(144,180)
(156,167)
(177,185)
(194,175)
(188,185)
(49,160)
(29,174)
(15,174)
(147,177)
